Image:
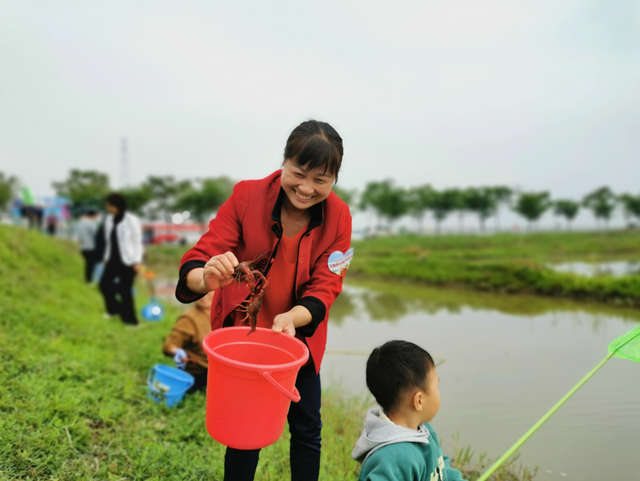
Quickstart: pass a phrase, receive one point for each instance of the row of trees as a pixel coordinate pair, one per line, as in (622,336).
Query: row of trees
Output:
(156,198)
(391,202)
(159,196)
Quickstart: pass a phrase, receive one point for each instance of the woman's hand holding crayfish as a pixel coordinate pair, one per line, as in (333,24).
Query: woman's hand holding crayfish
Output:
(218,272)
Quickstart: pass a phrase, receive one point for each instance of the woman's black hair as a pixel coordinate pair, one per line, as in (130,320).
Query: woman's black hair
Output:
(118,201)
(394,368)
(313,145)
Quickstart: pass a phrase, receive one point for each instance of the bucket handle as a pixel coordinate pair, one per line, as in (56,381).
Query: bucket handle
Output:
(151,375)
(294,396)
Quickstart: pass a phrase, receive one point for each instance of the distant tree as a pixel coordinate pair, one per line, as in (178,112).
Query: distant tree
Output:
(205,199)
(531,205)
(455,200)
(83,188)
(420,200)
(371,197)
(394,204)
(602,202)
(567,209)
(462,207)
(137,198)
(8,187)
(482,202)
(388,201)
(164,192)
(444,202)
(630,205)
(502,196)
(347,196)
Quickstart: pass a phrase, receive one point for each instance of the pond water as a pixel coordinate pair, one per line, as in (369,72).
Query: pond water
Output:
(505,360)
(597,269)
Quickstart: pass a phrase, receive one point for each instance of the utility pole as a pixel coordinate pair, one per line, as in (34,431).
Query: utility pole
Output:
(124,174)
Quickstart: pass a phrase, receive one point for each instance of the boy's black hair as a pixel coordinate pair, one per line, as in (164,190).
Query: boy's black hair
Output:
(394,368)
(313,145)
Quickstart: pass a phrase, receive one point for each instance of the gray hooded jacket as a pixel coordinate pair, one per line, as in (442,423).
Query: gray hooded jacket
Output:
(379,431)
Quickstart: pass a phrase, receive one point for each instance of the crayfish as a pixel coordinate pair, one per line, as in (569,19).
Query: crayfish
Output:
(244,273)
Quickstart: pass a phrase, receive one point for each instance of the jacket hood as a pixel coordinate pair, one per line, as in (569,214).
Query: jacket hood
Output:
(379,431)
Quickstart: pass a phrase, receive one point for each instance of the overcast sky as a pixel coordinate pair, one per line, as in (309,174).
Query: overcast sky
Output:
(536,95)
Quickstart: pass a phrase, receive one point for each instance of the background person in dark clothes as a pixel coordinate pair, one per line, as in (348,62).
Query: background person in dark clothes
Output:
(184,342)
(86,231)
(122,259)
(52,224)
(100,240)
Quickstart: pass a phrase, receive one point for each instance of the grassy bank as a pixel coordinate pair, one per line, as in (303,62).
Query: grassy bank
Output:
(73,403)
(505,263)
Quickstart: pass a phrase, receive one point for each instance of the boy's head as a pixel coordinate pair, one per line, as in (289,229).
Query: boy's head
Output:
(402,377)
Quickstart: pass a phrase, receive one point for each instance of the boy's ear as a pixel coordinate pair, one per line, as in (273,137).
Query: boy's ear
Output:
(417,400)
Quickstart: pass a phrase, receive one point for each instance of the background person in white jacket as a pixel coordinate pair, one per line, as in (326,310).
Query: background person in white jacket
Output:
(122,259)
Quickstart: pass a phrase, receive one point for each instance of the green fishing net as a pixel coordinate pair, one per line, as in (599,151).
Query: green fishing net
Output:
(627,346)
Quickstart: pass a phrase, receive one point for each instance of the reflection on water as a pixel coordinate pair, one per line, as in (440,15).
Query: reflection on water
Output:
(508,360)
(599,269)
(392,301)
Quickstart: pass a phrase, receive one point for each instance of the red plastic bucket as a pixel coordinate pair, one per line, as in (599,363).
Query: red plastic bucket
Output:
(251,381)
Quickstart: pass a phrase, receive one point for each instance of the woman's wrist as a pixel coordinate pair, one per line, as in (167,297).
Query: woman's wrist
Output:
(195,281)
(300,315)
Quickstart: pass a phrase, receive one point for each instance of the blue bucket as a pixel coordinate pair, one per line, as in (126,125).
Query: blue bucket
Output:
(168,384)
(154,311)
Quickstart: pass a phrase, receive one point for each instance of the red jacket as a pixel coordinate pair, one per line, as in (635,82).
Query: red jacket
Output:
(248,224)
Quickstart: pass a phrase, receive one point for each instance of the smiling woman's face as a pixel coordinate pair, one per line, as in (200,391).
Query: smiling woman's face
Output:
(305,189)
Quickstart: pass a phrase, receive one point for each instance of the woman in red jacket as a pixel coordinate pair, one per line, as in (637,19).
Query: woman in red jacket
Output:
(299,231)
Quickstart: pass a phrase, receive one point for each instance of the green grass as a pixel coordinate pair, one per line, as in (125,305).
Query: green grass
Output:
(505,263)
(539,247)
(73,402)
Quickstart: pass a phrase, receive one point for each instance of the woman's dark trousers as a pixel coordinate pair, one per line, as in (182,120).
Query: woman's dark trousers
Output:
(115,285)
(305,426)
(89,264)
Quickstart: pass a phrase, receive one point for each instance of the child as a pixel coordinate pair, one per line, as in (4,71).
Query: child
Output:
(298,232)
(184,342)
(397,442)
